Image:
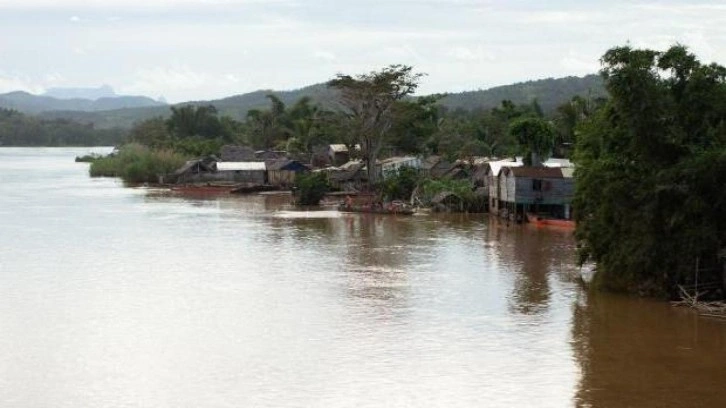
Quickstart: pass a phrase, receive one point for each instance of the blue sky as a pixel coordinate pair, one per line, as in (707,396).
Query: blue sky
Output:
(204,49)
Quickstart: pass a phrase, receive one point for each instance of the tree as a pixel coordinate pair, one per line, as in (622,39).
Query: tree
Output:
(535,137)
(648,200)
(369,100)
(196,121)
(151,132)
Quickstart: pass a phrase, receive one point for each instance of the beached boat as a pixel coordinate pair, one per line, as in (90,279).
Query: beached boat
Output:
(388,208)
(203,189)
(544,221)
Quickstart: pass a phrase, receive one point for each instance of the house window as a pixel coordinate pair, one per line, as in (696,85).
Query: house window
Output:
(536,185)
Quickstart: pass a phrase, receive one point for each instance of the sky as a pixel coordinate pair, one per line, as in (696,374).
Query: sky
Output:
(206,49)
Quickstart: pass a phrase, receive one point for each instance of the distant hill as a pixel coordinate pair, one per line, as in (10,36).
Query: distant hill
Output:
(34,104)
(104,91)
(549,93)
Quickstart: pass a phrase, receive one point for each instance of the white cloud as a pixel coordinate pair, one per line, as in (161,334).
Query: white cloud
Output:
(579,63)
(232,78)
(325,56)
(467,54)
(74,19)
(9,83)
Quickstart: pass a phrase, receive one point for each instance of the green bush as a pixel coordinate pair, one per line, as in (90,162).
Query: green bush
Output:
(135,163)
(311,188)
(400,185)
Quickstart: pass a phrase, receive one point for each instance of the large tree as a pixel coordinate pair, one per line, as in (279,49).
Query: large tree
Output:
(536,139)
(369,101)
(650,164)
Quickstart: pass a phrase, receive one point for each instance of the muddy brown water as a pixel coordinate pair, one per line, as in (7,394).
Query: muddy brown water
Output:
(131,297)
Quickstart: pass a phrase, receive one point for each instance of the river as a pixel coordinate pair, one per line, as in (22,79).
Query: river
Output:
(133,297)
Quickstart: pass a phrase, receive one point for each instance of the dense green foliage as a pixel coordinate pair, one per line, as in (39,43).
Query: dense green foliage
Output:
(311,188)
(536,138)
(429,188)
(400,186)
(17,129)
(135,163)
(650,165)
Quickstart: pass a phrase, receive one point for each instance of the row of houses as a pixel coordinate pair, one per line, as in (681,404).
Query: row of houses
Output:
(507,187)
(274,172)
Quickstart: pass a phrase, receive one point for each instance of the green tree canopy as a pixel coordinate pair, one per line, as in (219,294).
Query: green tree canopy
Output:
(648,199)
(536,139)
(369,101)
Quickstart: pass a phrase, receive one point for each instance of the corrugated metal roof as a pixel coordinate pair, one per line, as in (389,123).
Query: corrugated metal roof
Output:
(497,165)
(536,172)
(241,166)
(398,159)
(558,163)
(338,148)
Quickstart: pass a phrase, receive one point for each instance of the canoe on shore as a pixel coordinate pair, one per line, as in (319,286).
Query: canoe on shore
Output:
(203,189)
(374,209)
(543,221)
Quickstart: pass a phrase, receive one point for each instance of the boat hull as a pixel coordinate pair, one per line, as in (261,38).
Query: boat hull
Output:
(540,221)
(375,210)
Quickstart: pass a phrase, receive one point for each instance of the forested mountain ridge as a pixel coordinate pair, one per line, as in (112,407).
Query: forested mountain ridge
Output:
(549,93)
(28,103)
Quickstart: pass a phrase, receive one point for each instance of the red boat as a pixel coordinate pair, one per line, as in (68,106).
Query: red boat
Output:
(543,221)
(203,189)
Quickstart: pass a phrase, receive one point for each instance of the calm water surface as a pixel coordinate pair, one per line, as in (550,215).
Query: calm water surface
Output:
(133,297)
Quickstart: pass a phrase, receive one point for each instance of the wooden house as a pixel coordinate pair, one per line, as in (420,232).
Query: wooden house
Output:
(547,190)
(197,170)
(242,172)
(282,172)
(435,167)
(351,176)
(338,154)
(490,181)
(390,166)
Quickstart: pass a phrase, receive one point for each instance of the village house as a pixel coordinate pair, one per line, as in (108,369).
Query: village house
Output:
(282,172)
(539,190)
(390,166)
(490,181)
(338,154)
(351,176)
(197,170)
(435,167)
(242,172)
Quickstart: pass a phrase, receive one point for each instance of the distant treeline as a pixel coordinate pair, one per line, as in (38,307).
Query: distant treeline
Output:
(18,129)
(549,93)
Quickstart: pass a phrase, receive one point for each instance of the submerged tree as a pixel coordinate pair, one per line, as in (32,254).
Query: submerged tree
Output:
(648,199)
(369,100)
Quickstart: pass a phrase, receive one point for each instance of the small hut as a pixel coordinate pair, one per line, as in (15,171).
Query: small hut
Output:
(282,172)
(447,201)
(197,170)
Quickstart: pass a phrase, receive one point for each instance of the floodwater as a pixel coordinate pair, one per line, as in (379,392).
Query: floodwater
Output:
(131,297)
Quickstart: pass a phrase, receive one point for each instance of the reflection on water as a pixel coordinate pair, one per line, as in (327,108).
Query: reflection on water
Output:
(113,296)
(638,353)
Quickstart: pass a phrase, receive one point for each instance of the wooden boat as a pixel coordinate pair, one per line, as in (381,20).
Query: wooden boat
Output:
(390,208)
(543,221)
(203,189)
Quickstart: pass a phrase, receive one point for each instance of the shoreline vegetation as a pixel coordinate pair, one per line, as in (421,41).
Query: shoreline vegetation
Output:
(648,159)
